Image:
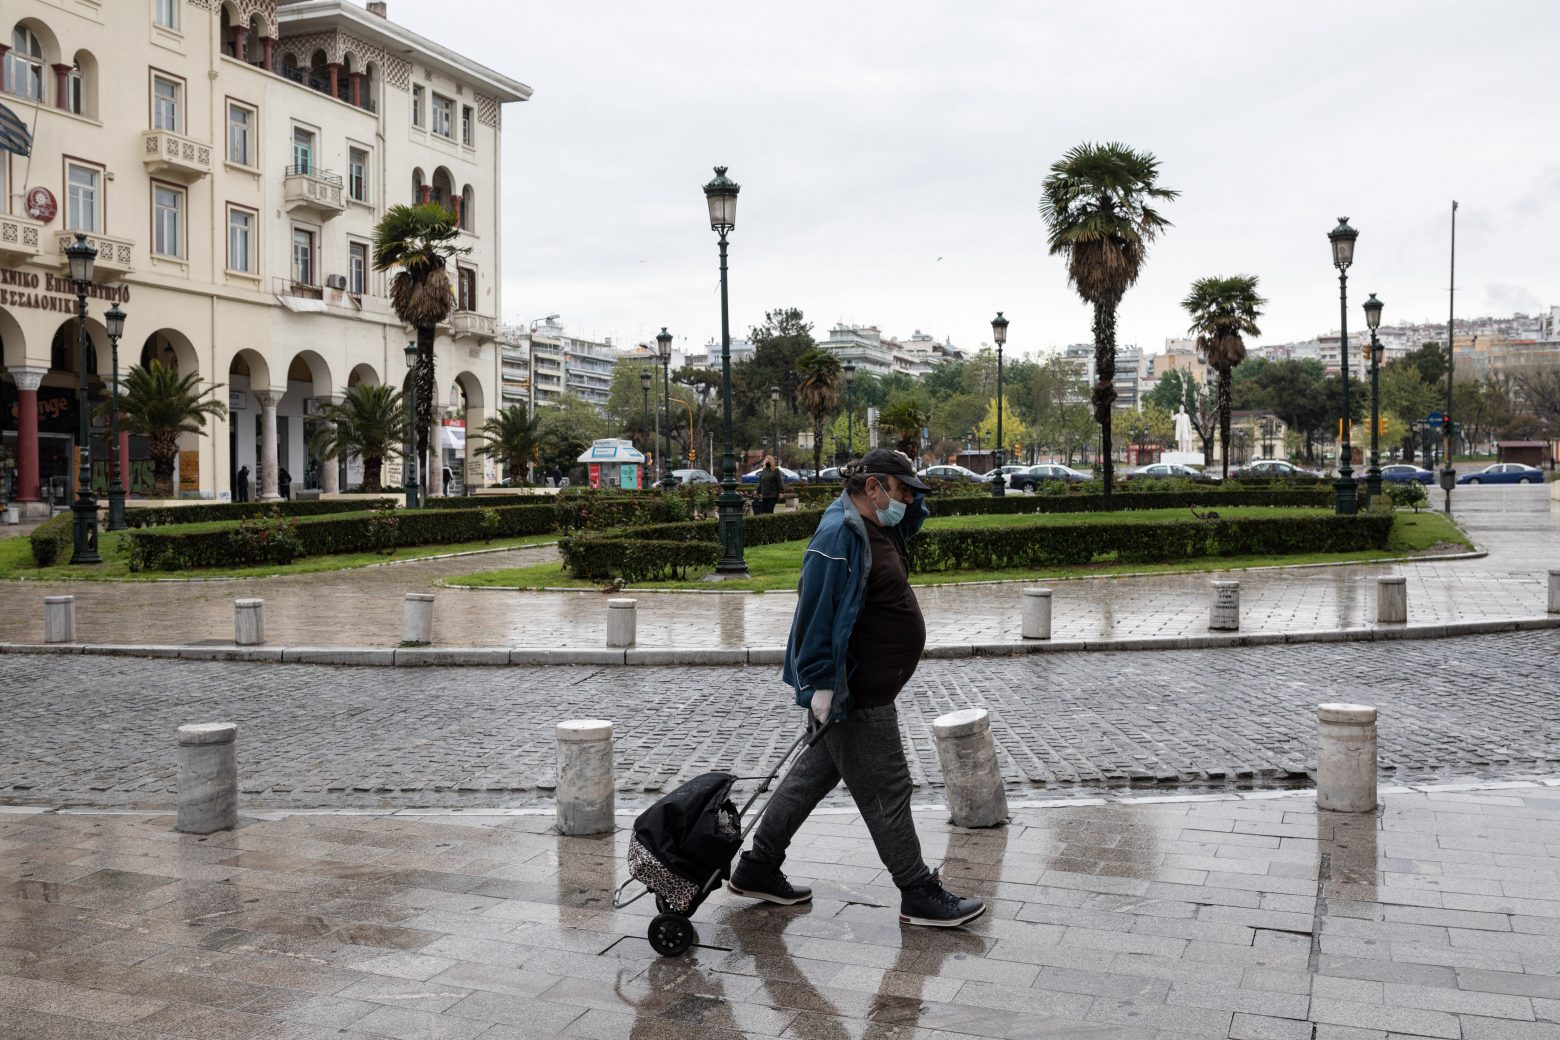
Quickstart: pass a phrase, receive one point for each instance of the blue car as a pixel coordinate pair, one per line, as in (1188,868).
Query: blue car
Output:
(1504,473)
(1406,473)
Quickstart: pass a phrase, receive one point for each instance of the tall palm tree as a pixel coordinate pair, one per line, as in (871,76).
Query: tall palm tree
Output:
(158,403)
(1097,204)
(511,438)
(818,393)
(1222,310)
(369,422)
(418,243)
(904,420)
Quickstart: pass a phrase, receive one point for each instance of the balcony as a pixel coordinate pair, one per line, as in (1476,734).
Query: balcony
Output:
(114,255)
(21,240)
(470,323)
(167,154)
(313,190)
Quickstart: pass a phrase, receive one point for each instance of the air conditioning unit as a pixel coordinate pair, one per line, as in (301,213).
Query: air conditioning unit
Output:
(336,281)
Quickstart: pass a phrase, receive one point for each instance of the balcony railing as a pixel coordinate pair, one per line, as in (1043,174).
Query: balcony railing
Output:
(20,239)
(114,255)
(167,154)
(306,79)
(470,323)
(313,189)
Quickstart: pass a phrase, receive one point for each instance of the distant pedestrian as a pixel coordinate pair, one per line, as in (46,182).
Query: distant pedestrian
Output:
(241,490)
(284,482)
(449,478)
(770,484)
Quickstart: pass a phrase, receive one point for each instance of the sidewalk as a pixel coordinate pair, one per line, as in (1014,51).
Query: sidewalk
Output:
(1255,917)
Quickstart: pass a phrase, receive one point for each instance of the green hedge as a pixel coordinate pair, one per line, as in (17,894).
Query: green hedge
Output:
(52,540)
(635,559)
(161,516)
(172,550)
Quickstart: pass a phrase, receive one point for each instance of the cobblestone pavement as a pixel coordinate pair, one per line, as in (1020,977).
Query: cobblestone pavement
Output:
(363,607)
(1246,919)
(99,731)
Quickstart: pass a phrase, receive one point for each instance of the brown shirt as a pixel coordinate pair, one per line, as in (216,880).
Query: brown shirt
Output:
(886,644)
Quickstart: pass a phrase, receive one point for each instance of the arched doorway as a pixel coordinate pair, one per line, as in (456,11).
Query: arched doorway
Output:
(462,420)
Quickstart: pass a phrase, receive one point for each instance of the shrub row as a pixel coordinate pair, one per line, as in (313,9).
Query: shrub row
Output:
(52,540)
(160,516)
(659,550)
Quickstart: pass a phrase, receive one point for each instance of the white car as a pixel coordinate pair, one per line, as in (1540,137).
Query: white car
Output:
(952,474)
(694,476)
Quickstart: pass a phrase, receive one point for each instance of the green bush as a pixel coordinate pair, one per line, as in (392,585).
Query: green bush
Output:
(1409,494)
(597,512)
(272,538)
(595,558)
(160,516)
(1197,496)
(52,540)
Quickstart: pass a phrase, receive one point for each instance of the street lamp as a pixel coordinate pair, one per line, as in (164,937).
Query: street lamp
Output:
(721,196)
(1344,491)
(412,479)
(84,546)
(774,422)
(850,406)
(1373,475)
(999,326)
(663,349)
(115,320)
(644,393)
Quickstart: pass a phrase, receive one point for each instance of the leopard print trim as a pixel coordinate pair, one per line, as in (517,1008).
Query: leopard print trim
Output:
(678,892)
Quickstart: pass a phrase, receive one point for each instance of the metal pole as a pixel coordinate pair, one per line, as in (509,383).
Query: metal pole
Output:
(644,393)
(412,479)
(84,547)
(998,480)
(1373,475)
(730,505)
(1448,474)
(774,428)
(850,425)
(666,406)
(116,487)
(1344,502)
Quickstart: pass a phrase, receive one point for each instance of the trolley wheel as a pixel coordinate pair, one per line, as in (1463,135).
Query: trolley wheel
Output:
(671,934)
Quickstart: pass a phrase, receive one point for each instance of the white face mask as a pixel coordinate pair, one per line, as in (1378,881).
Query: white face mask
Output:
(891,514)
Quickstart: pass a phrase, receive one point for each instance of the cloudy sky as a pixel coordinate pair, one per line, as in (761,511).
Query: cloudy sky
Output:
(891,156)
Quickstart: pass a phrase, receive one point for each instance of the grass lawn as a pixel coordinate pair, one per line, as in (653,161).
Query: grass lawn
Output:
(775,567)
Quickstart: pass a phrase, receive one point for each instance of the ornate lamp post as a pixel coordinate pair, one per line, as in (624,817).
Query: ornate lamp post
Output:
(411,479)
(999,326)
(1345,502)
(1373,475)
(850,410)
(644,393)
(774,421)
(84,546)
(663,349)
(721,196)
(115,320)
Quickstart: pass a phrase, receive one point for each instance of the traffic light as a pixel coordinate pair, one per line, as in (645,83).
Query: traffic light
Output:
(1383,428)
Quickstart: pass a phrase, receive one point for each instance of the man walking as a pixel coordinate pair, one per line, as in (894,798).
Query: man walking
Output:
(856,638)
(770,484)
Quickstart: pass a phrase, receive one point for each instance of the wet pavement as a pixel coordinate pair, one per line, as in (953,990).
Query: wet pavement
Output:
(1516,525)
(1244,918)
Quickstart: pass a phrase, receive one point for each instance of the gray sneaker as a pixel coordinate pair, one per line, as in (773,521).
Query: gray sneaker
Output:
(932,905)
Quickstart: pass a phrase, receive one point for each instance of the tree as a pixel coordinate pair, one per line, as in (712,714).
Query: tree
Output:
(818,393)
(1430,361)
(158,403)
(1174,390)
(369,422)
(417,242)
(1405,394)
(1012,426)
(566,427)
(903,420)
(1097,204)
(510,437)
(1539,386)
(783,338)
(1224,310)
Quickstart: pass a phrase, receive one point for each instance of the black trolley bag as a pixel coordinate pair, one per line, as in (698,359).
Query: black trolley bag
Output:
(683,845)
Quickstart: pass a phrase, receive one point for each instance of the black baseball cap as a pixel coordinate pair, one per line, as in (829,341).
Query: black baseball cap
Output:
(891,463)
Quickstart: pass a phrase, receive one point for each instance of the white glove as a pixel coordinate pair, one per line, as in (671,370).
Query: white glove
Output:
(821,701)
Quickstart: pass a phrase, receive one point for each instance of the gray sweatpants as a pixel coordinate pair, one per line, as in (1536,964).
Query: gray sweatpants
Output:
(865,752)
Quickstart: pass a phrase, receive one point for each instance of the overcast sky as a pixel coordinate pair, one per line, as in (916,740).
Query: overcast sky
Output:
(891,156)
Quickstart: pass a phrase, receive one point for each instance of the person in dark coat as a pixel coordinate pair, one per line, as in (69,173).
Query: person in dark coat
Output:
(241,489)
(771,482)
(284,482)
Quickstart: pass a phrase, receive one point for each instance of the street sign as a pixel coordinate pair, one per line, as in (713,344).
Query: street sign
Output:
(1435,418)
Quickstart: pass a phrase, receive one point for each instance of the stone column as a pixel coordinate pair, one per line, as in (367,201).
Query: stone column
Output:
(330,470)
(621,626)
(357,88)
(334,68)
(1036,619)
(241,42)
(59,619)
(1346,757)
(971,775)
(1391,600)
(1224,612)
(269,486)
(1554,591)
(425,193)
(267,47)
(27,382)
(61,86)
(417,618)
(208,778)
(585,794)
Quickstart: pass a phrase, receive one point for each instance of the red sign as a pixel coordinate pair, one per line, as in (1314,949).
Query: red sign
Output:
(41,205)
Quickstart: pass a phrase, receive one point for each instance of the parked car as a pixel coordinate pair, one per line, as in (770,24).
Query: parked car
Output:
(829,475)
(1007,471)
(694,476)
(951,474)
(1276,469)
(1406,473)
(790,476)
(1168,471)
(1504,473)
(807,473)
(1032,477)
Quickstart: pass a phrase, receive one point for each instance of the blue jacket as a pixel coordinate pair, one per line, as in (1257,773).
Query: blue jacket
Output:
(829,596)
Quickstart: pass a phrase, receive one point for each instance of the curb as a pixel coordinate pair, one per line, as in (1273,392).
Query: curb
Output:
(649,657)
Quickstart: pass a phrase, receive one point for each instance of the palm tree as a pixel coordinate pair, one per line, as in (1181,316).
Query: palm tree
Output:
(818,393)
(158,403)
(904,420)
(369,422)
(1223,309)
(511,438)
(418,241)
(1097,204)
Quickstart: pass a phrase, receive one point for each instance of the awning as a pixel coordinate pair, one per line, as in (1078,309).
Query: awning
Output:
(14,135)
(302,305)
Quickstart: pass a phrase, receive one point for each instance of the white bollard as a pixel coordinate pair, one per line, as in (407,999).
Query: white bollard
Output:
(417,618)
(59,619)
(1346,757)
(1554,588)
(1391,600)
(971,775)
(1037,614)
(585,792)
(1224,613)
(249,622)
(208,777)
(621,628)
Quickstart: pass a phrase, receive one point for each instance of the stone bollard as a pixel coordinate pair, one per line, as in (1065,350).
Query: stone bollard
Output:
(1554,589)
(971,776)
(59,619)
(208,777)
(621,627)
(417,618)
(585,791)
(249,622)
(1346,757)
(1224,613)
(1037,614)
(1391,600)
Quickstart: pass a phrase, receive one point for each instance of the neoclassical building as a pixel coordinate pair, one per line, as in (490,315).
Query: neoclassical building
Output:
(229,160)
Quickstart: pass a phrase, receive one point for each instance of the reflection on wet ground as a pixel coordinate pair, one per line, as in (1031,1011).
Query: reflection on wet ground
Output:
(1241,917)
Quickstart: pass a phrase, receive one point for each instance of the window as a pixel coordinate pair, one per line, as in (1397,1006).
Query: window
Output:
(241,240)
(466,289)
(303,256)
(166,13)
(165,104)
(443,116)
(83,198)
(24,65)
(357,267)
(167,221)
(357,174)
(303,150)
(76,92)
(417,104)
(465,125)
(241,130)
